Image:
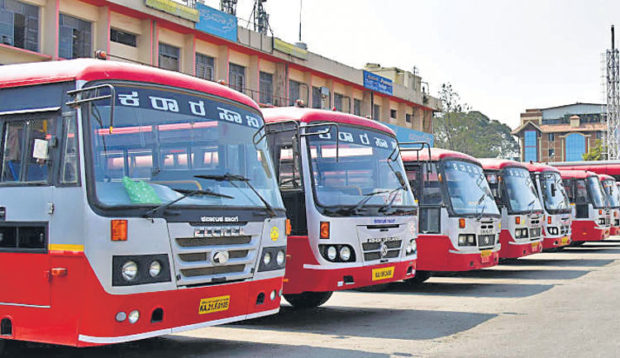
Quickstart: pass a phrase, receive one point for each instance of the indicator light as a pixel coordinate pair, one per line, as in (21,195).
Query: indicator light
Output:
(288,227)
(324,229)
(118,229)
(462,223)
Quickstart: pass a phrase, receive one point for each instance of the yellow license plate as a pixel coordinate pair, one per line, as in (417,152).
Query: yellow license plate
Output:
(564,241)
(485,253)
(382,273)
(534,246)
(214,304)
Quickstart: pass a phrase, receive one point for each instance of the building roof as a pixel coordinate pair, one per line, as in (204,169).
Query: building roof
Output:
(91,69)
(437,154)
(520,128)
(308,115)
(498,164)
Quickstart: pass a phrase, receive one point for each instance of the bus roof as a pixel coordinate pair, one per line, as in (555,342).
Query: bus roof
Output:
(576,174)
(308,115)
(499,164)
(540,167)
(90,69)
(611,167)
(606,177)
(437,154)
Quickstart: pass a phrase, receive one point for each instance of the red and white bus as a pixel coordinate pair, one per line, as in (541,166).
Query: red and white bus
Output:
(459,220)
(557,208)
(591,214)
(133,204)
(353,217)
(613,198)
(522,213)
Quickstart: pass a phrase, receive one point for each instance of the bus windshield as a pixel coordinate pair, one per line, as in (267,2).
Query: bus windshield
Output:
(162,141)
(596,192)
(468,189)
(521,194)
(553,192)
(611,189)
(358,174)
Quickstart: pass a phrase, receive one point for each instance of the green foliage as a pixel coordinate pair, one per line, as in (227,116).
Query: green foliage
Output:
(462,129)
(597,151)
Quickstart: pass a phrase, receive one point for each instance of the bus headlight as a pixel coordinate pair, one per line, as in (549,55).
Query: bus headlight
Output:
(134,316)
(332,253)
(129,270)
(267,258)
(280,258)
(467,240)
(414,246)
(345,253)
(154,268)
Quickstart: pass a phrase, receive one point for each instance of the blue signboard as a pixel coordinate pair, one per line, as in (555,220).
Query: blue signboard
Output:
(377,83)
(216,22)
(409,135)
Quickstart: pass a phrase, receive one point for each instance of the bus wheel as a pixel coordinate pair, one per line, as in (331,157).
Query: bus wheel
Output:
(577,243)
(308,299)
(419,278)
(2,346)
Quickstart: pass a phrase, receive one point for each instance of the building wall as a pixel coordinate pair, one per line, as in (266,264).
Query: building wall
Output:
(253,51)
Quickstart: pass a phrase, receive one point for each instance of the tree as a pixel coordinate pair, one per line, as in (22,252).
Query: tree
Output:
(597,152)
(462,129)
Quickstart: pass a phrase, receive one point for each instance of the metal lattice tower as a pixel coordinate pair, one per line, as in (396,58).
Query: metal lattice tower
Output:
(260,17)
(229,6)
(613,101)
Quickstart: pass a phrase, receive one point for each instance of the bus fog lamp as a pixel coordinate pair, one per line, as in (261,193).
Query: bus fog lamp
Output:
(129,270)
(332,253)
(413,245)
(467,240)
(155,268)
(272,295)
(280,258)
(267,258)
(345,253)
(134,316)
(121,316)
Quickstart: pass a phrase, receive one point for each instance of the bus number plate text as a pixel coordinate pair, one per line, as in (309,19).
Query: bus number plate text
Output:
(214,304)
(382,273)
(485,255)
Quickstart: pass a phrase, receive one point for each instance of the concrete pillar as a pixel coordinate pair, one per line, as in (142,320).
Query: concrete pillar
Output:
(146,42)
(280,85)
(102,30)
(221,64)
(48,39)
(188,55)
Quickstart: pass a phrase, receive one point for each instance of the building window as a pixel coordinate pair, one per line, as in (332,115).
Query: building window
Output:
(551,153)
(530,148)
(266,87)
(551,137)
(392,113)
(376,112)
(19,25)
(75,38)
(575,147)
(293,92)
(169,57)
(407,117)
(599,135)
(123,37)
(338,101)
(205,67)
(316,97)
(357,107)
(236,76)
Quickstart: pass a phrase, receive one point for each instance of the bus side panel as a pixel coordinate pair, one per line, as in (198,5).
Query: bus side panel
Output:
(512,250)
(587,230)
(436,253)
(25,279)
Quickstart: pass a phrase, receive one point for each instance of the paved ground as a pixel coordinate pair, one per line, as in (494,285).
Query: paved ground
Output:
(553,304)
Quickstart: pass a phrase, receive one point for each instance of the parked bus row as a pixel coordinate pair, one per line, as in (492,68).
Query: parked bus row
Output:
(137,202)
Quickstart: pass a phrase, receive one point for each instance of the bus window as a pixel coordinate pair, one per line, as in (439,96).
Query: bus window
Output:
(69,174)
(32,137)
(289,169)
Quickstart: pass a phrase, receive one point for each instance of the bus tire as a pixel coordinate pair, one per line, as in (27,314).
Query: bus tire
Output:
(419,278)
(2,347)
(308,299)
(577,243)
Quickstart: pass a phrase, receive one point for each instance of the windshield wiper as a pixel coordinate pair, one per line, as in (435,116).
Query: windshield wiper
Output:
(185,193)
(479,216)
(231,178)
(388,206)
(363,202)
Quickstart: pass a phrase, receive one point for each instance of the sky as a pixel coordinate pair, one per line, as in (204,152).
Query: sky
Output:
(500,56)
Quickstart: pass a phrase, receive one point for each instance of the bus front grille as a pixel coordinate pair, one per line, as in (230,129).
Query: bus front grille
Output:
(486,240)
(535,233)
(381,250)
(214,259)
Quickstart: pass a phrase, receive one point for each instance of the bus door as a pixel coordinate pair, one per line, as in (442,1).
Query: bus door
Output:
(26,206)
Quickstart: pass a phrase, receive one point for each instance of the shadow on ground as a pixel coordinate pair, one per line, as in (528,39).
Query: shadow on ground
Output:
(468,289)
(369,322)
(180,347)
(559,262)
(506,273)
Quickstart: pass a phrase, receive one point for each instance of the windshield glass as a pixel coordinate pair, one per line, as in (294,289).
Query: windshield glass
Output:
(362,171)
(553,199)
(468,189)
(596,192)
(520,191)
(161,139)
(611,189)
